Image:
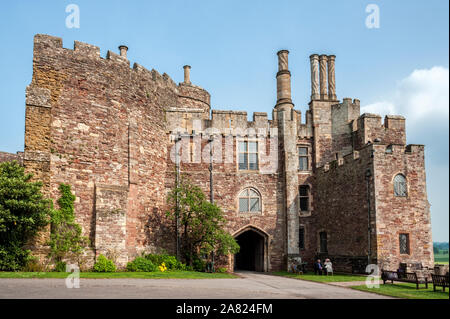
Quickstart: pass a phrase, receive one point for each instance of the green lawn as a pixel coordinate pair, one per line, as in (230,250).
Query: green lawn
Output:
(311,277)
(441,259)
(406,290)
(143,275)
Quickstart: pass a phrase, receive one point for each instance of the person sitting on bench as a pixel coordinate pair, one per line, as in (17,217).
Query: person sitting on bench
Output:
(318,267)
(328,267)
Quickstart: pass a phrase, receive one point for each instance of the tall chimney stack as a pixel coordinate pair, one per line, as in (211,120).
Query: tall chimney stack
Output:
(187,74)
(314,59)
(283,79)
(123,50)
(331,79)
(323,77)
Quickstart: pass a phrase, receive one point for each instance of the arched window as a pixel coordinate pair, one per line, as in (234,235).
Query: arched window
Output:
(249,201)
(400,189)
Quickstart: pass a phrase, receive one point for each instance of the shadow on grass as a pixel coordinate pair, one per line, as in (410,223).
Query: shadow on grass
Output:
(407,291)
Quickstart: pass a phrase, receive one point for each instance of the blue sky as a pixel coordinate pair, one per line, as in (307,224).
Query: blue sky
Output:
(231,45)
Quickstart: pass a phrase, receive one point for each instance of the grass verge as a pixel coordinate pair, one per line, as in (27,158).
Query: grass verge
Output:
(406,290)
(317,278)
(140,275)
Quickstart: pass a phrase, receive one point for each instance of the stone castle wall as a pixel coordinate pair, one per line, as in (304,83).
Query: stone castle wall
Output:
(340,208)
(409,215)
(109,131)
(98,125)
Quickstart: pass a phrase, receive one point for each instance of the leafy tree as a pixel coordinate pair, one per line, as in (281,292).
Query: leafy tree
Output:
(23,212)
(201,223)
(65,237)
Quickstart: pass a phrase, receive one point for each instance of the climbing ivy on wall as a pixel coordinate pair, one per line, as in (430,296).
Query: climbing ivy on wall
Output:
(66,240)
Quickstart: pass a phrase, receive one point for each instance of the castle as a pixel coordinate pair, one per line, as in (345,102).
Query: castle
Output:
(340,185)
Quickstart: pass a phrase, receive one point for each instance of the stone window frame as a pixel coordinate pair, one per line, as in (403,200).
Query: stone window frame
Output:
(308,158)
(302,226)
(408,234)
(406,186)
(304,213)
(248,139)
(249,213)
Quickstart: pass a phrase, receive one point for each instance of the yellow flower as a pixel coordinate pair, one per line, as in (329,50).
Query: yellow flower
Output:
(163,267)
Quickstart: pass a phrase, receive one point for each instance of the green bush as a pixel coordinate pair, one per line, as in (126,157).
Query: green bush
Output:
(23,213)
(171,262)
(221,270)
(198,264)
(60,266)
(103,264)
(141,264)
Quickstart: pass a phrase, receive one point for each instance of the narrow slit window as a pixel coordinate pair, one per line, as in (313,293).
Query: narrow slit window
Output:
(303,192)
(404,244)
(323,242)
(301,237)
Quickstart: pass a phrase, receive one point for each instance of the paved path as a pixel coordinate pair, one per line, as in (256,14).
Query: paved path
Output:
(250,285)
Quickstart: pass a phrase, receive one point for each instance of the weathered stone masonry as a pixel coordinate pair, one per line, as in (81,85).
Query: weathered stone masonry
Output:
(109,130)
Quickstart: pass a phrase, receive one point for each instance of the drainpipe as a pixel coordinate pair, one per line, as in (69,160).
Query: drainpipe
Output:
(211,185)
(177,208)
(211,194)
(369,251)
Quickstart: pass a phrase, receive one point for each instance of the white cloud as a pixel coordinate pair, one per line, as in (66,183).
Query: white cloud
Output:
(423,94)
(423,99)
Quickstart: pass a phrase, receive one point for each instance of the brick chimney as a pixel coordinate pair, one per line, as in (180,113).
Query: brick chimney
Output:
(283,80)
(323,77)
(123,51)
(187,74)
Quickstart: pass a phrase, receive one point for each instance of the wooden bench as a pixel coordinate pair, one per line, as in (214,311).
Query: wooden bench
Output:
(439,280)
(410,277)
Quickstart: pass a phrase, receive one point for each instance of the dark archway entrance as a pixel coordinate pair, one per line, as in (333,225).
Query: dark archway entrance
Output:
(251,254)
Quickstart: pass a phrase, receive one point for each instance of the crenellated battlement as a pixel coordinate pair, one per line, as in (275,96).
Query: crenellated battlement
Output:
(369,151)
(50,46)
(369,128)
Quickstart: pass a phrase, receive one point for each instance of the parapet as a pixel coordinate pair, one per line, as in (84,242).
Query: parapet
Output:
(369,129)
(228,119)
(86,49)
(193,96)
(50,46)
(342,114)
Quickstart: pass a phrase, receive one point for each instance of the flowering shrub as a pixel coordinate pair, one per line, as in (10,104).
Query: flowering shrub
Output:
(163,267)
(169,261)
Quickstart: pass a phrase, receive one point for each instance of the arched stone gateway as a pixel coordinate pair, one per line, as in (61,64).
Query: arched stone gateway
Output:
(253,254)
